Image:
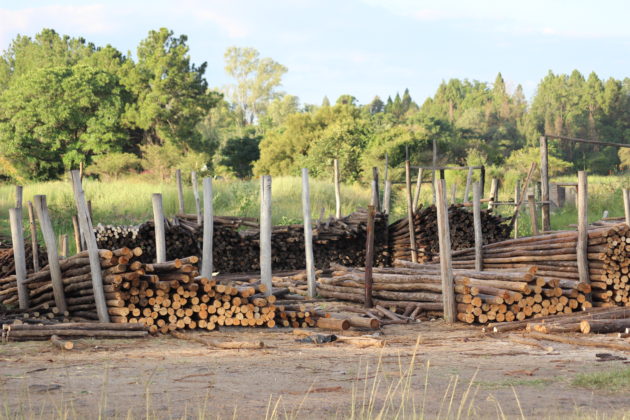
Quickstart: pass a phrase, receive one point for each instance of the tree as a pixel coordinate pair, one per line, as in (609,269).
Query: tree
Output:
(256,81)
(376,106)
(240,153)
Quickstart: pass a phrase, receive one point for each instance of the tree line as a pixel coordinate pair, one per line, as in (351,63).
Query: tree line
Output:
(66,102)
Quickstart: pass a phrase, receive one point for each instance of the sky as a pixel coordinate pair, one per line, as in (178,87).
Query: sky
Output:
(359,47)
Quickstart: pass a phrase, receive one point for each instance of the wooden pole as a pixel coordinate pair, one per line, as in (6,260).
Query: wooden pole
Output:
(494,191)
(375,193)
(626,204)
(369,256)
(410,211)
(308,234)
(468,182)
(582,239)
(337,189)
(19,257)
(265,234)
(387,196)
(482,179)
(532,213)
(544,179)
(63,240)
(18,196)
(87,231)
(51,247)
(34,244)
(195,186)
(446,270)
(477,227)
(77,233)
(180,191)
(517,192)
(160,231)
(453,193)
(386,172)
(208,229)
(416,195)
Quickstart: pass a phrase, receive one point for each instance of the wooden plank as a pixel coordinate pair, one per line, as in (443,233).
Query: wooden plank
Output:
(180,191)
(446,269)
(308,234)
(19,256)
(477,226)
(160,231)
(87,231)
(195,187)
(582,239)
(336,179)
(34,244)
(410,211)
(369,256)
(208,229)
(544,180)
(578,140)
(51,247)
(265,233)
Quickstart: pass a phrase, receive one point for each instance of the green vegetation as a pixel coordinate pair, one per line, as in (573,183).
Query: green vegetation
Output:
(617,380)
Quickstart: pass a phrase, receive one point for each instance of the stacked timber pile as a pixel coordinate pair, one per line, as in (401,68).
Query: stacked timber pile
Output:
(556,259)
(494,229)
(7,262)
(60,332)
(481,296)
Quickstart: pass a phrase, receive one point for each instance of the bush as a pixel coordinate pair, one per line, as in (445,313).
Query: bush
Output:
(160,160)
(112,165)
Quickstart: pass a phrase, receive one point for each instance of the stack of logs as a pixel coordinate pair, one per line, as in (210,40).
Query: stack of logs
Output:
(7,262)
(556,259)
(481,296)
(494,229)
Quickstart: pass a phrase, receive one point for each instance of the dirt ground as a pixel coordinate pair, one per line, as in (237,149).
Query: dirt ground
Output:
(470,375)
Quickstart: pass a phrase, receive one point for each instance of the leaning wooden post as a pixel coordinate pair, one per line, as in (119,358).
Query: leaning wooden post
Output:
(387,197)
(477,226)
(87,231)
(51,247)
(180,191)
(208,229)
(265,233)
(532,214)
(18,196)
(582,240)
(308,234)
(416,195)
(468,183)
(410,211)
(17,237)
(369,256)
(626,204)
(77,234)
(160,231)
(544,180)
(193,181)
(34,244)
(337,181)
(446,270)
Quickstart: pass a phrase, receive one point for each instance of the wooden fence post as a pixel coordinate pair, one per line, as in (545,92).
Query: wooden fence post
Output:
(416,195)
(544,179)
(51,247)
(482,180)
(180,191)
(87,231)
(369,256)
(410,211)
(494,192)
(160,231)
(532,214)
(34,244)
(193,181)
(517,192)
(387,197)
(376,197)
(468,183)
(265,233)
(337,189)
(582,240)
(77,233)
(308,234)
(446,270)
(477,226)
(626,204)
(63,242)
(208,229)
(18,196)
(453,193)
(17,237)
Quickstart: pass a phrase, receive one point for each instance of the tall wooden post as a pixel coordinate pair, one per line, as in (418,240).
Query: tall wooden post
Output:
(87,231)
(532,213)
(19,257)
(265,233)
(51,247)
(482,180)
(308,233)
(626,204)
(369,256)
(160,230)
(375,192)
(63,242)
(416,195)
(453,193)
(34,244)
(582,240)
(337,189)
(544,180)
(410,211)
(387,196)
(446,269)
(77,233)
(208,229)
(180,191)
(18,196)
(195,186)
(468,183)
(517,192)
(477,226)
(494,192)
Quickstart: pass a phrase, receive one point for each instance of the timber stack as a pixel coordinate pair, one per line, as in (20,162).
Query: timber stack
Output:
(556,258)
(481,296)
(494,229)
(7,262)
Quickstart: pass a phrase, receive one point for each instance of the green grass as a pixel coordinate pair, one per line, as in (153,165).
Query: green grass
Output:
(536,383)
(613,380)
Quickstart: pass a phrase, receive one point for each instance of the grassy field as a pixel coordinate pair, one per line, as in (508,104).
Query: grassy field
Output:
(128,201)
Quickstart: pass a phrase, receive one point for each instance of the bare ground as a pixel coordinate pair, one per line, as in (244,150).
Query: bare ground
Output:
(167,378)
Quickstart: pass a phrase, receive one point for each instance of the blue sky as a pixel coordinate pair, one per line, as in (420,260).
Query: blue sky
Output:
(360,47)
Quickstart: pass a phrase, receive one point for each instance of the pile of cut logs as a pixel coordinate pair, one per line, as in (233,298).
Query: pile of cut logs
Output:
(481,296)
(556,259)
(494,229)
(7,262)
